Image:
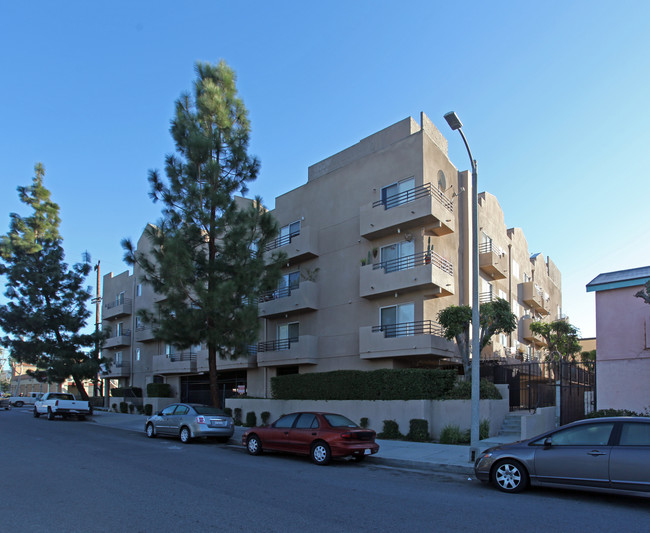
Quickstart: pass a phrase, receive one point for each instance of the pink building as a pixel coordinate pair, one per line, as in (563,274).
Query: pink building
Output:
(623,340)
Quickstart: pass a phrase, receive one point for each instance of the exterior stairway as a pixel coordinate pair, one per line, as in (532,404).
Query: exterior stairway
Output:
(511,427)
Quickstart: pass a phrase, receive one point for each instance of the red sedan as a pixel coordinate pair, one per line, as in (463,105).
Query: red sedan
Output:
(319,435)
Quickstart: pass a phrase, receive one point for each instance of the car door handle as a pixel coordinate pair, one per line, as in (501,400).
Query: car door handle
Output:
(596,453)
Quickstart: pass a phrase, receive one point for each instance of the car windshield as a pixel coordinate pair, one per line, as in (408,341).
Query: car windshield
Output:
(207,410)
(340,421)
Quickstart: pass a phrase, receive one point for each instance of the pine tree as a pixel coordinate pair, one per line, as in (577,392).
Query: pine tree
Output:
(46,310)
(208,250)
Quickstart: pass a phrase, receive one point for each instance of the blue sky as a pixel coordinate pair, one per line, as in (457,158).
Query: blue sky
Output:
(553,97)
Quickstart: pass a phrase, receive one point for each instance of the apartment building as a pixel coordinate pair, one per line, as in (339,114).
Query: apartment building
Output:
(378,242)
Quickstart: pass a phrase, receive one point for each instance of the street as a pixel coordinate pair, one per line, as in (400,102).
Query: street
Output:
(73,476)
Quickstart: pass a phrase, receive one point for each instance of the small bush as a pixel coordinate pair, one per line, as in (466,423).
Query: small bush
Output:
(391,430)
(418,430)
(363,422)
(463,391)
(228,411)
(251,419)
(611,412)
(148,409)
(159,390)
(114,407)
(265,416)
(140,409)
(131,408)
(484,429)
(451,434)
(124,407)
(237,416)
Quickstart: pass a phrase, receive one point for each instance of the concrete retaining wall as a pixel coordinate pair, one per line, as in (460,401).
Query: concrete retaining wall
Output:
(534,424)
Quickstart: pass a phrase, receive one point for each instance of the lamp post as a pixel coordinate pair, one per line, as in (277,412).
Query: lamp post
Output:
(455,124)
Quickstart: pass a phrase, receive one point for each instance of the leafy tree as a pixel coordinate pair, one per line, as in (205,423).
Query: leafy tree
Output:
(561,339)
(494,317)
(208,251)
(46,310)
(588,356)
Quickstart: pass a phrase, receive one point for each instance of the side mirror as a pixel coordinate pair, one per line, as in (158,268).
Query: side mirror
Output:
(159,413)
(547,442)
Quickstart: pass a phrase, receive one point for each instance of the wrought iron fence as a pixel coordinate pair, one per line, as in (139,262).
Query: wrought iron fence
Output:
(276,345)
(281,241)
(404,329)
(421,191)
(415,260)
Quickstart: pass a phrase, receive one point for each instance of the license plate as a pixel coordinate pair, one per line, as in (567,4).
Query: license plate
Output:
(219,423)
(367,451)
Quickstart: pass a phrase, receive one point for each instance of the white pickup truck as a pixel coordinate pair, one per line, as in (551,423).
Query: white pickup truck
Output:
(30,399)
(61,404)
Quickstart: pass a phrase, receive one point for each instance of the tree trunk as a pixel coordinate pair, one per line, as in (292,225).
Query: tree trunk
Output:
(80,387)
(212,364)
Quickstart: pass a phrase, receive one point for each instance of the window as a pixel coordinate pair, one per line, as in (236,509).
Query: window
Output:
(635,434)
(286,421)
(398,256)
(515,269)
(307,421)
(502,295)
(119,329)
(527,277)
(137,354)
(288,231)
(287,283)
(442,181)
(170,350)
(138,322)
(398,193)
(582,435)
(138,289)
(117,358)
(119,299)
(289,332)
(181,410)
(397,320)
(169,410)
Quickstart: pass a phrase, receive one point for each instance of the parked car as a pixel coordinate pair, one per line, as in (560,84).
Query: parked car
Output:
(189,421)
(5,403)
(322,436)
(601,454)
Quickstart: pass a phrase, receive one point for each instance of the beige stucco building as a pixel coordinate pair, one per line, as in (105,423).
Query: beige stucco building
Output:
(378,242)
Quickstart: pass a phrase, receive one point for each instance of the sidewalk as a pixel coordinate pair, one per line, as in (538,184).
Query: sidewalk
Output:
(427,456)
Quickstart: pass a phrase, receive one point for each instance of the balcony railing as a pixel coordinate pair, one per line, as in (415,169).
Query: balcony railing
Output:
(404,329)
(283,292)
(111,305)
(276,345)
(486,297)
(281,241)
(420,191)
(183,356)
(415,260)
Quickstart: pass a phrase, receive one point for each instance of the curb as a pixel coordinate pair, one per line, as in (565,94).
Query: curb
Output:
(422,465)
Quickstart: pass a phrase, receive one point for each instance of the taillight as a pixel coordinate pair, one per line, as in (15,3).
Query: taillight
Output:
(346,435)
(200,419)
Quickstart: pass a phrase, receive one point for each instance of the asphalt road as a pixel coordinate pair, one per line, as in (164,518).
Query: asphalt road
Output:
(72,476)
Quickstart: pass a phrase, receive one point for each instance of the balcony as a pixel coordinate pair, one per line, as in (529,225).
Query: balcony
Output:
(302,350)
(298,246)
(178,363)
(485,297)
(288,300)
(119,340)
(144,334)
(492,262)
(241,363)
(532,295)
(118,369)
(427,272)
(421,206)
(409,339)
(115,309)
(528,335)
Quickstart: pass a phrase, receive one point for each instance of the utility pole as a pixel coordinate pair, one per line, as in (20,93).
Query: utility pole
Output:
(97,301)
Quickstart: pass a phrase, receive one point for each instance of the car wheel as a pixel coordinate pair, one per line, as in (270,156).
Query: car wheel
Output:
(50,414)
(36,413)
(358,457)
(149,430)
(19,404)
(185,435)
(510,476)
(254,445)
(320,453)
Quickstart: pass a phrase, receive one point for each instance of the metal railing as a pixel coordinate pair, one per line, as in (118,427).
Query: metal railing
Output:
(405,329)
(486,297)
(111,305)
(123,333)
(421,191)
(283,292)
(276,345)
(183,356)
(281,241)
(412,261)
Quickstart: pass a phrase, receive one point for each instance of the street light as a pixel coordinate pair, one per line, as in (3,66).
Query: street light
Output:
(455,124)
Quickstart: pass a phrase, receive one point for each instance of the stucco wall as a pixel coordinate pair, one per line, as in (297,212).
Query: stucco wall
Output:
(437,413)
(543,420)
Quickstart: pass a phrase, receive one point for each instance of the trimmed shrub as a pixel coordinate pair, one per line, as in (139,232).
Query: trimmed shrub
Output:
(451,434)
(611,412)
(148,409)
(265,416)
(237,416)
(463,391)
(159,390)
(228,411)
(418,430)
(114,406)
(251,419)
(128,392)
(484,429)
(124,407)
(131,408)
(384,384)
(391,430)
(140,409)
(363,422)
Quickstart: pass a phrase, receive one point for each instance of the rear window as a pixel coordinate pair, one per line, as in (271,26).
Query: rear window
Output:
(207,410)
(339,421)
(635,434)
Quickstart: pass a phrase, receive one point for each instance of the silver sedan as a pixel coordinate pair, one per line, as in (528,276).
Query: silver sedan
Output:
(600,454)
(189,421)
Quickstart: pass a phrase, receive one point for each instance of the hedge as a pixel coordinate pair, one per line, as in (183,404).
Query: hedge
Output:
(159,390)
(463,391)
(129,392)
(384,384)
